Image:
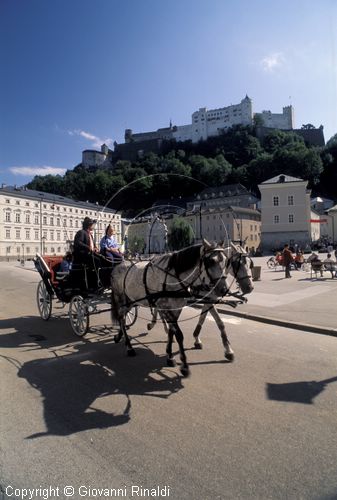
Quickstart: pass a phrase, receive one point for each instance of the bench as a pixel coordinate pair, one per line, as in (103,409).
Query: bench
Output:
(320,267)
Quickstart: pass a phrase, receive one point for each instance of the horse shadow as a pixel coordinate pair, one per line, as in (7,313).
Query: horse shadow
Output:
(82,371)
(72,385)
(298,392)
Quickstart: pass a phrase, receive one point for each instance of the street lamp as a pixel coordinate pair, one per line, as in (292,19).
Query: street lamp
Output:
(43,239)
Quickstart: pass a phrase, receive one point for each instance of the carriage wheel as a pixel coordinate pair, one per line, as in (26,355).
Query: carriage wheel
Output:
(79,316)
(44,301)
(131,316)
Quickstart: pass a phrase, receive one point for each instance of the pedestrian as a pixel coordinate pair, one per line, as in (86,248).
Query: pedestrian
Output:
(287,260)
(330,265)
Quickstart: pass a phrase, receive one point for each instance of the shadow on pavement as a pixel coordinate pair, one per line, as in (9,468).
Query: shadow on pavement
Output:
(70,385)
(81,372)
(298,392)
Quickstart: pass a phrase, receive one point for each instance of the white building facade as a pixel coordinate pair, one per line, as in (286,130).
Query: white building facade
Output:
(286,213)
(35,222)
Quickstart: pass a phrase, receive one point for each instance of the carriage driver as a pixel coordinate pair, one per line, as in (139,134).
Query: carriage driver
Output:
(86,252)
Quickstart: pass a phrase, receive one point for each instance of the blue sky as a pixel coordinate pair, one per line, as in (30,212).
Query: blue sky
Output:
(76,73)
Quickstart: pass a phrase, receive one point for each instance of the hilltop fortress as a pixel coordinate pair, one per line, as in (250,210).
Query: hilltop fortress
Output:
(204,124)
(212,122)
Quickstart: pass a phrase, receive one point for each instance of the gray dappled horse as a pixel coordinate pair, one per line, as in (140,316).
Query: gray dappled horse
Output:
(238,266)
(166,282)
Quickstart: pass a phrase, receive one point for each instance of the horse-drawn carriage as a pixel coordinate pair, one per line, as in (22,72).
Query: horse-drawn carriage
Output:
(166,283)
(82,288)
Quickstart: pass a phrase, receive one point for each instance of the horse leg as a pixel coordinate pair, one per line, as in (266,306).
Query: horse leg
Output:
(115,317)
(185,371)
(229,353)
(170,332)
(196,333)
(154,312)
(129,349)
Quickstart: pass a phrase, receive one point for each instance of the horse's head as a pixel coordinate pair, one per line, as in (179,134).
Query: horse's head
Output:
(239,265)
(214,269)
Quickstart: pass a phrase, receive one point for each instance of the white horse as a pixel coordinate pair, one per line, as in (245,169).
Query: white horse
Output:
(166,282)
(238,266)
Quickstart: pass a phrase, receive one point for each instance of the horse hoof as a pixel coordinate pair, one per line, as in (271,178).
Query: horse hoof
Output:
(198,346)
(171,362)
(117,339)
(131,353)
(229,356)
(185,371)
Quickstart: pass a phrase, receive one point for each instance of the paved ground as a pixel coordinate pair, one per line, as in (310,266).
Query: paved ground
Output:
(309,303)
(79,413)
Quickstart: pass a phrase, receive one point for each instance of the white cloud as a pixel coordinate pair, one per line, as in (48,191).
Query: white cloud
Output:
(35,170)
(273,61)
(96,142)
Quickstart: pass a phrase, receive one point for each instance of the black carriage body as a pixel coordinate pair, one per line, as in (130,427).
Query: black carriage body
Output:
(64,286)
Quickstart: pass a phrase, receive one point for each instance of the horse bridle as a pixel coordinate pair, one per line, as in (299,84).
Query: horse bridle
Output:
(207,254)
(236,265)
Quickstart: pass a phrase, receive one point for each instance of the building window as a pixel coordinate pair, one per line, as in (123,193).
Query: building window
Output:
(290,200)
(17,217)
(52,235)
(17,234)
(27,203)
(51,221)
(65,222)
(27,219)
(8,233)
(36,235)
(7,201)
(291,218)
(17,202)
(276,219)
(8,217)
(45,234)
(17,249)
(44,220)
(36,219)
(58,221)
(276,201)
(28,250)
(76,223)
(58,236)
(27,234)
(8,249)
